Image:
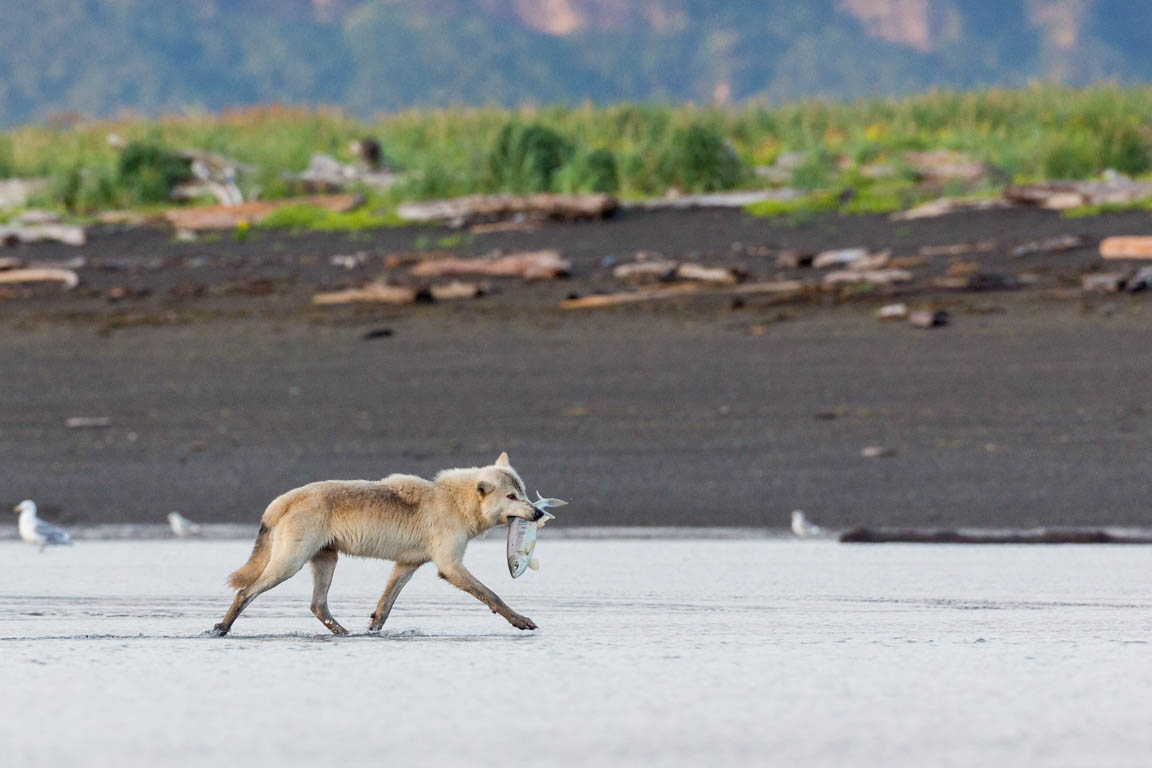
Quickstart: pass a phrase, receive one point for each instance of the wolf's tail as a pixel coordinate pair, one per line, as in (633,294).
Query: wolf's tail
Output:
(251,570)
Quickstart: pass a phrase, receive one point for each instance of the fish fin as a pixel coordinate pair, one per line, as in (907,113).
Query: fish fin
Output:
(543,502)
(534,564)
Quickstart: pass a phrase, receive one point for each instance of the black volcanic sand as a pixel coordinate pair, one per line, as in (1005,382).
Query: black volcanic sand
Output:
(225,387)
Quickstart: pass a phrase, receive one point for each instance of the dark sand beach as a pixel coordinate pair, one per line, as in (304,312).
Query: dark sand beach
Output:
(224,386)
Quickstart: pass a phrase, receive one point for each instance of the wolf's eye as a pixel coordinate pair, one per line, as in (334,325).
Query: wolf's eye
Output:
(512,496)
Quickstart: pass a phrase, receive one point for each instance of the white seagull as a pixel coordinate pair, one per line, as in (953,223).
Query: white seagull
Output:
(182,526)
(803,528)
(35,531)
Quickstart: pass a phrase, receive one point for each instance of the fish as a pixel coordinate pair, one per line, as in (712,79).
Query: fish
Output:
(522,537)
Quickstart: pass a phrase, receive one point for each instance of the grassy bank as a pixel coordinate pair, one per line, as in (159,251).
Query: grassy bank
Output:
(631,150)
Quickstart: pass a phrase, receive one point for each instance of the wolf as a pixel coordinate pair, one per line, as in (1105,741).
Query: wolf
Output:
(403,518)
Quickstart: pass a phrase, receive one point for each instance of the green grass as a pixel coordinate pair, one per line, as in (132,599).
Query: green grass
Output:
(800,207)
(1085,211)
(312,218)
(633,150)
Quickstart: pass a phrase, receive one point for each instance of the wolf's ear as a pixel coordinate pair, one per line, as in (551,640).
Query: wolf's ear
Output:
(503,461)
(484,488)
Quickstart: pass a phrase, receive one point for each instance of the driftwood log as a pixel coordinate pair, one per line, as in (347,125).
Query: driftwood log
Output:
(529,265)
(1062,195)
(1135,247)
(382,293)
(948,205)
(69,234)
(681,290)
(479,208)
(374,293)
(997,536)
(231,216)
(67,277)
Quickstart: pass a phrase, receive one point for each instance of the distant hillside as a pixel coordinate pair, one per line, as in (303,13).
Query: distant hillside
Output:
(96,57)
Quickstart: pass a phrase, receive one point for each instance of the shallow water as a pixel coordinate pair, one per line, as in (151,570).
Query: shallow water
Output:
(655,652)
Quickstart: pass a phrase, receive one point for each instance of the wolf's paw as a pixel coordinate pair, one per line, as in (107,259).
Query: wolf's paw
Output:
(217,631)
(521,622)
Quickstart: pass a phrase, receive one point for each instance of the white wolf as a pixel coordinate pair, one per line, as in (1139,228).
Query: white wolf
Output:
(402,518)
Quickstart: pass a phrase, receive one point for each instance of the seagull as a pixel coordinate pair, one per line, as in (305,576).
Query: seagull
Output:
(35,531)
(182,526)
(803,528)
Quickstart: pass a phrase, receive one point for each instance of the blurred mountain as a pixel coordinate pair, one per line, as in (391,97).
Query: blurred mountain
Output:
(101,56)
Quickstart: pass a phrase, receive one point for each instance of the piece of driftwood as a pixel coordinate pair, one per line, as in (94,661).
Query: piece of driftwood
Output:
(867,535)
(1103,282)
(478,208)
(1057,244)
(893,312)
(522,225)
(947,205)
(842,257)
(656,271)
(716,199)
(680,290)
(957,249)
(374,293)
(976,281)
(926,318)
(701,274)
(41,275)
(231,216)
(873,276)
(382,293)
(1134,247)
(1115,189)
(793,259)
(455,290)
(69,234)
(529,265)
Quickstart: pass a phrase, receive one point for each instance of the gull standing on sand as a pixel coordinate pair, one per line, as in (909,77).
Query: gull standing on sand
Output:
(803,528)
(35,531)
(182,526)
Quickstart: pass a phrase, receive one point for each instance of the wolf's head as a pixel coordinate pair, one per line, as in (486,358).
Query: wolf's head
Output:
(502,494)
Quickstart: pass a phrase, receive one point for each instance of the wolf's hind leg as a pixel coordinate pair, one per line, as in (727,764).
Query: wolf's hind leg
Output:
(401,573)
(459,576)
(279,569)
(323,564)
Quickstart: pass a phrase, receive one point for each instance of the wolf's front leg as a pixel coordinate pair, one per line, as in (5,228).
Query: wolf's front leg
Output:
(401,573)
(459,576)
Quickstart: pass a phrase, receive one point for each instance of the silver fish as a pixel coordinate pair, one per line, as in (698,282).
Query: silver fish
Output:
(522,537)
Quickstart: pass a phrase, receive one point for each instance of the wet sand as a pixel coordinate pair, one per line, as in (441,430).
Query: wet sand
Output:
(663,653)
